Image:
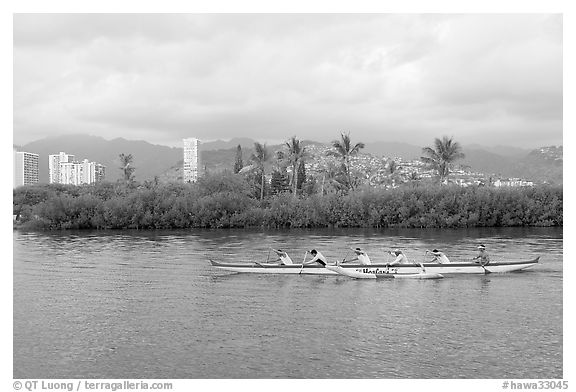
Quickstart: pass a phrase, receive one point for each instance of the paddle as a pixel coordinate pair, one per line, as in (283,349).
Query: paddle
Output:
(301,268)
(344,259)
(433,255)
(422,265)
(486,272)
(388,254)
(268,257)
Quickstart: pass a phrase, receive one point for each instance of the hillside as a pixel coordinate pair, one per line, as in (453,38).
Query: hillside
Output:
(542,165)
(487,162)
(393,150)
(226,145)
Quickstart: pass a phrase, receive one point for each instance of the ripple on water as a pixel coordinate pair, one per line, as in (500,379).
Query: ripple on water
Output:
(149,305)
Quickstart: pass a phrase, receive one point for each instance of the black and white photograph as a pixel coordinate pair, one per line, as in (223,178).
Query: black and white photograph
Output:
(287,196)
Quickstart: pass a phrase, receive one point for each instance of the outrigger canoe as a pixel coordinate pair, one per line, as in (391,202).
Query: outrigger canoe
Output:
(378,270)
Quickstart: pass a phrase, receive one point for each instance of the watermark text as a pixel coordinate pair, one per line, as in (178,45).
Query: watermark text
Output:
(90,385)
(535,385)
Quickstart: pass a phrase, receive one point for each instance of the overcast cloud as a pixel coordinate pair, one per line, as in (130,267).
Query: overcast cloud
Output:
(488,79)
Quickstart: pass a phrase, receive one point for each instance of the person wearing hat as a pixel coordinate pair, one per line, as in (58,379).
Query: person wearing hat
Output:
(283,257)
(317,258)
(400,258)
(439,257)
(482,256)
(361,256)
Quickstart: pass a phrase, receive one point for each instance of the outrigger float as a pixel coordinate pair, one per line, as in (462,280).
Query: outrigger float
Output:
(417,271)
(352,273)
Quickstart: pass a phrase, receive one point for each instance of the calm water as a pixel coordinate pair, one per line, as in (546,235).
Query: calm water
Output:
(149,305)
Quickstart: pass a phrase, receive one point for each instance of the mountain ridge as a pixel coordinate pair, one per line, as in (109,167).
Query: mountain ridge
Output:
(153,160)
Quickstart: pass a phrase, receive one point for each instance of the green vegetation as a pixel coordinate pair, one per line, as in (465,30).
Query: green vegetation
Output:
(233,200)
(295,159)
(334,197)
(441,158)
(127,168)
(260,159)
(239,163)
(344,150)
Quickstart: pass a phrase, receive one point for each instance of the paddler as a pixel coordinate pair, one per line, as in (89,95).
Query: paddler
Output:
(400,258)
(283,257)
(439,257)
(361,256)
(317,258)
(482,256)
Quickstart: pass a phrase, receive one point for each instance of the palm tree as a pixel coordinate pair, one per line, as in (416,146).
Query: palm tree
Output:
(331,178)
(414,178)
(344,150)
(296,156)
(127,169)
(442,156)
(392,172)
(260,159)
(239,164)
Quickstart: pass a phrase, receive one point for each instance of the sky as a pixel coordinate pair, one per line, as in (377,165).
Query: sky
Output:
(489,79)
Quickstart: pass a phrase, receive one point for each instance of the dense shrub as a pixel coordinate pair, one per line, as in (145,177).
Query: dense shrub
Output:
(228,200)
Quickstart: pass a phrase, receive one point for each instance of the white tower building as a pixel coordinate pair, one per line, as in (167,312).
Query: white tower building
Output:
(78,173)
(192,163)
(25,168)
(54,161)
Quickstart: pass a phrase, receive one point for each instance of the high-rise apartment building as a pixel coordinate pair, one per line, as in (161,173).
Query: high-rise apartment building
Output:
(64,169)
(192,165)
(25,168)
(98,172)
(78,173)
(67,173)
(54,161)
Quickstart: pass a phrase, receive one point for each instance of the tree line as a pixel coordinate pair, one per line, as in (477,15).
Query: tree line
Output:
(228,200)
(287,167)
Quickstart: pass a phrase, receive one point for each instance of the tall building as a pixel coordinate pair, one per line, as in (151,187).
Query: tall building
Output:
(99,172)
(54,161)
(192,165)
(67,173)
(78,173)
(25,168)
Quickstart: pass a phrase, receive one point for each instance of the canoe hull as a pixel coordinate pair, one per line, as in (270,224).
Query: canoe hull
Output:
(378,269)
